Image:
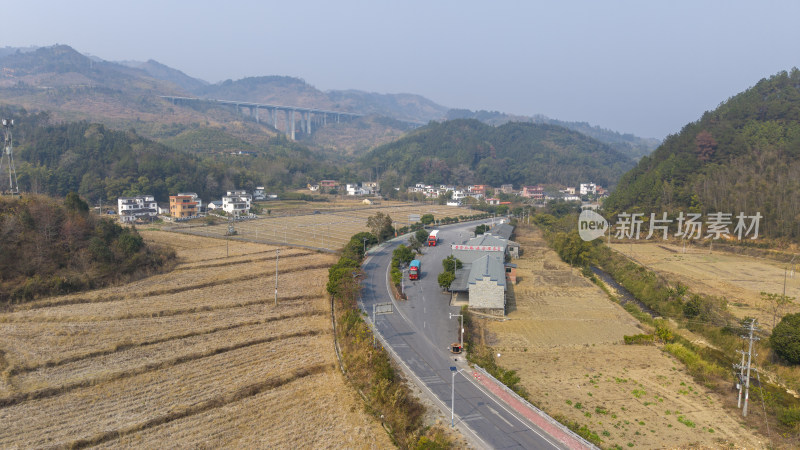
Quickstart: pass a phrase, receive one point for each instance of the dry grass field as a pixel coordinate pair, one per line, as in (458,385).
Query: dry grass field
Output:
(325,226)
(565,339)
(198,357)
(739,279)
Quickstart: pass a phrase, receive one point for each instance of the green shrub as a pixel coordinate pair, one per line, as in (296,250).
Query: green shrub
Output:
(397,277)
(696,365)
(789,417)
(639,339)
(785,338)
(664,333)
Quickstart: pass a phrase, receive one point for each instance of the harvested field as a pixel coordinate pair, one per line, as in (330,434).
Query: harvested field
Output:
(313,227)
(259,422)
(200,356)
(565,339)
(739,279)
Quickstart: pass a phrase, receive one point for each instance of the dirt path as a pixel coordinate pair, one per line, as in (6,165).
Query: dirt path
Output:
(564,338)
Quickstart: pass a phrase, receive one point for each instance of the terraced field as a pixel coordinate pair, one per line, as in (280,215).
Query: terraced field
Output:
(198,357)
(328,229)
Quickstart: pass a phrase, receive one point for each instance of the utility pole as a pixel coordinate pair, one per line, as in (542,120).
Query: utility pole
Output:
(745,370)
(277,252)
(741,377)
(785,270)
(453,371)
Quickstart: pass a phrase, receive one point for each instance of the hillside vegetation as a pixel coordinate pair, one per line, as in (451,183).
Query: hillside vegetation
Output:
(633,146)
(741,157)
(48,249)
(468,151)
(102,164)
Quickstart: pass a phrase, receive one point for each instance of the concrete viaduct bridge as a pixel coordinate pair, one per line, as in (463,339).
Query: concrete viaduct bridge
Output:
(319,117)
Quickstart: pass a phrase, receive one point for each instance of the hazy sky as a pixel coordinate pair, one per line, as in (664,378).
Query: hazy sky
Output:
(643,67)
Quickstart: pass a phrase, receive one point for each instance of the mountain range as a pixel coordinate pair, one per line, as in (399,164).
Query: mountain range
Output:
(124,95)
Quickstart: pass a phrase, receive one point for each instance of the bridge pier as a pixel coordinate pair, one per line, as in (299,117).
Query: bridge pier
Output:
(292,123)
(309,117)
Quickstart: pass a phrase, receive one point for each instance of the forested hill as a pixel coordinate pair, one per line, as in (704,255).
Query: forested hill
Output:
(468,151)
(741,157)
(50,247)
(102,164)
(627,144)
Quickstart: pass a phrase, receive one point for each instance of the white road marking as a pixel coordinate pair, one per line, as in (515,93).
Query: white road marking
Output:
(498,415)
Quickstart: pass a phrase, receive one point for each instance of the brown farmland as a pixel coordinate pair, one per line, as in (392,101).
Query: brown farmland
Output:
(327,226)
(564,336)
(739,279)
(198,357)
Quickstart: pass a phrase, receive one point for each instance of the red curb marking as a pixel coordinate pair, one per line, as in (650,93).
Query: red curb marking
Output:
(531,415)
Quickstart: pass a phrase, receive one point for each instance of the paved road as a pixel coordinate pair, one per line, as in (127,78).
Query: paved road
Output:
(419,333)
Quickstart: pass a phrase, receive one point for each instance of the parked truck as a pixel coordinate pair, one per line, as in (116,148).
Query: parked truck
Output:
(413,270)
(433,238)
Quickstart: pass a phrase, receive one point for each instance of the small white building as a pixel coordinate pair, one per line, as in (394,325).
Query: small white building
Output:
(459,194)
(356,189)
(588,188)
(372,186)
(258,193)
(237,203)
(139,207)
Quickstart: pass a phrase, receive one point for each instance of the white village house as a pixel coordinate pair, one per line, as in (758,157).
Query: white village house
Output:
(140,207)
(237,203)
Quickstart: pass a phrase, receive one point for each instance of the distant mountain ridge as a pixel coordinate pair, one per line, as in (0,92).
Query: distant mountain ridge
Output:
(62,66)
(161,72)
(633,146)
(122,94)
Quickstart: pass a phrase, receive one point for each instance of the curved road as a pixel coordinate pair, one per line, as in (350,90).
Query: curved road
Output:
(419,333)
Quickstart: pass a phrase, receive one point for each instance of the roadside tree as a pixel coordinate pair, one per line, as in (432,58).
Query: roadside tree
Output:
(381,226)
(446,279)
